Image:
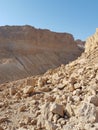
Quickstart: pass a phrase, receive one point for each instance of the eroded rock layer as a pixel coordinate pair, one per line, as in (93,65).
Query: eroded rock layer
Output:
(27,51)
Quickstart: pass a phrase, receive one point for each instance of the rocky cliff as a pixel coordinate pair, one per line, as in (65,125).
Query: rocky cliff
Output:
(65,98)
(27,51)
(92,42)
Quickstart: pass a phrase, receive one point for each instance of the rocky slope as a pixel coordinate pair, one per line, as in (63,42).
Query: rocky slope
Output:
(65,98)
(27,51)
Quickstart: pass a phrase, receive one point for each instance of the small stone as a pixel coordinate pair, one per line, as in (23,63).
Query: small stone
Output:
(94,100)
(3,119)
(22,108)
(62,121)
(12,91)
(49,98)
(40,122)
(76,92)
(45,89)
(28,89)
(57,109)
(55,118)
(71,88)
(40,82)
(1,104)
(27,120)
(73,80)
(69,110)
(50,126)
(61,86)
(77,85)
(34,122)
(17,96)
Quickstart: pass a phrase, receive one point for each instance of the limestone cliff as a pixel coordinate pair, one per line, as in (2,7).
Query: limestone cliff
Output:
(27,51)
(92,42)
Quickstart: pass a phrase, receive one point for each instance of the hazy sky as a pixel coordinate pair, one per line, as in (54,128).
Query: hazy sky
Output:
(79,17)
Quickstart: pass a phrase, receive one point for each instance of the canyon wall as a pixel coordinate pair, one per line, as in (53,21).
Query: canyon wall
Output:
(27,51)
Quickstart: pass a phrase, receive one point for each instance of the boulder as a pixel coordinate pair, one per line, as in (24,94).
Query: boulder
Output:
(57,109)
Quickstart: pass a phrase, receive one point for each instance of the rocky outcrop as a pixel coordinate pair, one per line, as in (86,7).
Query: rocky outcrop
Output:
(27,51)
(92,42)
(80,44)
(65,98)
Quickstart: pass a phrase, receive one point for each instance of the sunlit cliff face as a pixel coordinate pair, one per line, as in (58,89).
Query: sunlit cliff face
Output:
(27,51)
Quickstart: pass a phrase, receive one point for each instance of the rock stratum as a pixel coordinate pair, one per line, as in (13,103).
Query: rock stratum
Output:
(65,98)
(27,51)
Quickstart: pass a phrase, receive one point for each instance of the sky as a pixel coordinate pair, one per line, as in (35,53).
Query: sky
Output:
(78,17)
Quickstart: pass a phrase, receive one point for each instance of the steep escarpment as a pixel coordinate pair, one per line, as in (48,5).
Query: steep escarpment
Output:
(65,98)
(27,51)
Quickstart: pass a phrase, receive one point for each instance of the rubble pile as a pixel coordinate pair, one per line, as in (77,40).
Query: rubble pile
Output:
(65,98)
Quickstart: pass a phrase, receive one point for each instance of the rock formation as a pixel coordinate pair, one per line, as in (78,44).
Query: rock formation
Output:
(92,42)
(27,51)
(65,98)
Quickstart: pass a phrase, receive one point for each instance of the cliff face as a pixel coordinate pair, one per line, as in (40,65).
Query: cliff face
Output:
(27,51)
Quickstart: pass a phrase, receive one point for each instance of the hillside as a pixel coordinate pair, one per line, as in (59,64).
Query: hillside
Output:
(65,98)
(27,51)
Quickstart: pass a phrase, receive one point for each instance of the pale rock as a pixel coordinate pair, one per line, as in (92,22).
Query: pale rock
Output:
(69,99)
(71,87)
(55,118)
(69,110)
(95,128)
(69,127)
(65,82)
(12,91)
(28,89)
(2,104)
(45,89)
(77,85)
(21,128)
(61,86)
(80,71)
(40,122)
(41,82)
(61,121)
(27,120)
(50,126)
(55,90)
(76,98)
(91,126)
(33,128)
(57,109)
(88,112)
(17,96)
(76,92)
(45,113)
